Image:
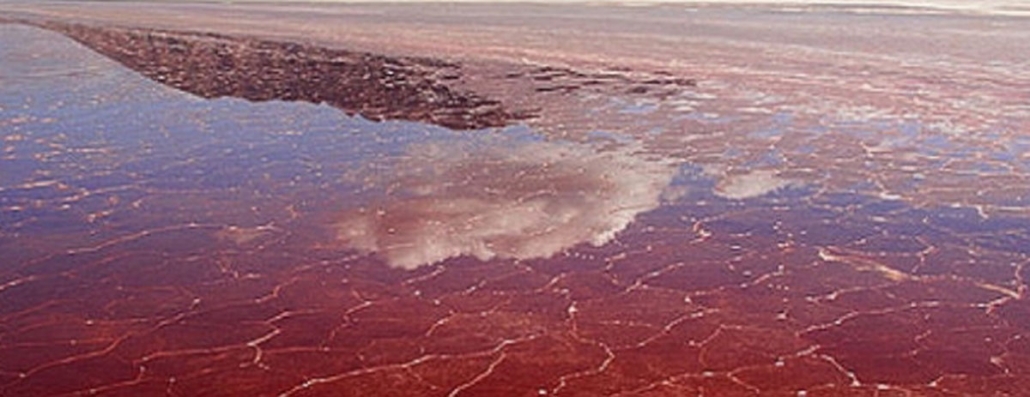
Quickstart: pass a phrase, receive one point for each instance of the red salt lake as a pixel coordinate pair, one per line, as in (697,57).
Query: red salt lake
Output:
(833,215)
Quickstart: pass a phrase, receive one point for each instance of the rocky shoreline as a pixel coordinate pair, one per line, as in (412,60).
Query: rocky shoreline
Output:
(439,91)
(376,87)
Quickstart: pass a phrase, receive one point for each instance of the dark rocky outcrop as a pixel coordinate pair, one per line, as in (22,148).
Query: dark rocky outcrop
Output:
(375,86)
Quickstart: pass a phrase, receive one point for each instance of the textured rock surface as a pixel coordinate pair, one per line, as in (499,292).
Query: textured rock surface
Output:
(376,87)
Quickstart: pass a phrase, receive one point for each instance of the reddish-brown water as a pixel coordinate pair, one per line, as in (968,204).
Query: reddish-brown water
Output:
(741,237)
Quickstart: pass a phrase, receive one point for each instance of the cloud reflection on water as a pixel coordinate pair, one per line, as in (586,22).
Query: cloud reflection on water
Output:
(526,200)
(750,185)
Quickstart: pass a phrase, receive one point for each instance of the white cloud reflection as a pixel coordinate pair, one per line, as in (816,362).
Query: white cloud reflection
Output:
(749,185)
(528,200)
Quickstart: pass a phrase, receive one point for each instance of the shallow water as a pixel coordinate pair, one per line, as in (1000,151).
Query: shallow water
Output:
(158,243)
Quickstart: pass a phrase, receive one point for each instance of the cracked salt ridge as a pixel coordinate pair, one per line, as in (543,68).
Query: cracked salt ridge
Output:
(785,293)
(499,357)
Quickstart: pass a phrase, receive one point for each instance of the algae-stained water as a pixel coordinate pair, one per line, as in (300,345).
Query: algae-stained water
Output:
(155,243)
